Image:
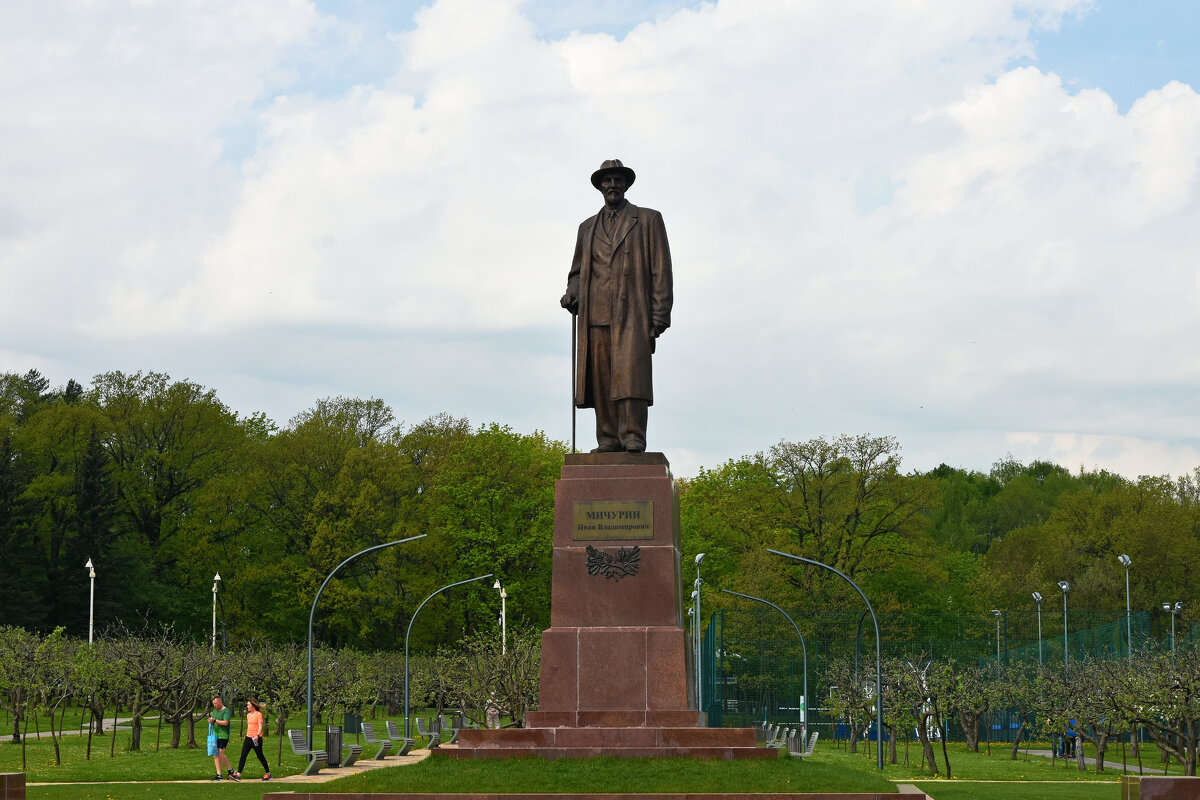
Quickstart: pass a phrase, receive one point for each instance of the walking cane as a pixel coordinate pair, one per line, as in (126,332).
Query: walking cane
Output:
(573,355)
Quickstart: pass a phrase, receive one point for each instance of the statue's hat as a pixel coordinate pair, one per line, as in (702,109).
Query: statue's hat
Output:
(613,165)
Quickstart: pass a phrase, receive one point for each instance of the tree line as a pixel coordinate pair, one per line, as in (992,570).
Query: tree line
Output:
(1097,701)
(163,486)
(127,676)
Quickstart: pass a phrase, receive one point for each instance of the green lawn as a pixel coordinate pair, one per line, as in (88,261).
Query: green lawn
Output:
(982,767)
(616,775)
(127,765)
(1021,791)
(976,775)
(153,791)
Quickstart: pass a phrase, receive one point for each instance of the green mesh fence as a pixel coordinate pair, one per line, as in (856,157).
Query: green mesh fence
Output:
(753,665)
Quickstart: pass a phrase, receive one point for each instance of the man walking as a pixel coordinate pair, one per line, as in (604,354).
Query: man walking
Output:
(620,285)
(219,719)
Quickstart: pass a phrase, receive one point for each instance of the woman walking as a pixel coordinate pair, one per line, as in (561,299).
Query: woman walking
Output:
(253,740)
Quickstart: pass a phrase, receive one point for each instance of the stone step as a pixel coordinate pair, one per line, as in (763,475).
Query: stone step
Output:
(525,738)
(715,752)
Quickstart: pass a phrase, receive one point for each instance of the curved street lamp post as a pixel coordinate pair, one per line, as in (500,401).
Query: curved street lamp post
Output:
(408,742)
(308,728)
(803,648)
(878,652)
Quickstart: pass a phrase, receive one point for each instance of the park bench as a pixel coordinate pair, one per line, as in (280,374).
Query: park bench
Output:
(433,732)
(781,738)
(406,743)
(801,752)
(449,725)
(316,758)
(368,732)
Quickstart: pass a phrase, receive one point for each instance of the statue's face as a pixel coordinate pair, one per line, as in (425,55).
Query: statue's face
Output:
(613,186)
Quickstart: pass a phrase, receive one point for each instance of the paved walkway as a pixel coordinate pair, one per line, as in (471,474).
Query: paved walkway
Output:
(1130,766)
(325,775)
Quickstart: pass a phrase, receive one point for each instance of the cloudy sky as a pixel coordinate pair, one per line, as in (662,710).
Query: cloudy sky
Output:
(974,226)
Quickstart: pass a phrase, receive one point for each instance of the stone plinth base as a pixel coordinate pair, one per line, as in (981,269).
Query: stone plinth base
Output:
(1159,787)
(614,676)
(12,786)
(631,742)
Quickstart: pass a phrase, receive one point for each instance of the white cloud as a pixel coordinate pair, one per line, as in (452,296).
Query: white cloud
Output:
(878,225)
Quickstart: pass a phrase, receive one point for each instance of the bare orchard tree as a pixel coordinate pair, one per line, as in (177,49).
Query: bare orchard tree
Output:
(1028,695)
(145,659)
(17,648)
(919,687)
(481,676)
(854,700)
(188,672)
(520,674)
(971,694)
(1094,703)
(55,668)
(1161,692)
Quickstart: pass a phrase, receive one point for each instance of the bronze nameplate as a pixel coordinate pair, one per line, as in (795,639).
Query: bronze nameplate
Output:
(613,519)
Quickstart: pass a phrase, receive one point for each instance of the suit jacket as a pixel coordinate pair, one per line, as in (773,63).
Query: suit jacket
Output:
(642,296)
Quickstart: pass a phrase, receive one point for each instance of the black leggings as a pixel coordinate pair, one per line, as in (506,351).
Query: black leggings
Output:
(249,744)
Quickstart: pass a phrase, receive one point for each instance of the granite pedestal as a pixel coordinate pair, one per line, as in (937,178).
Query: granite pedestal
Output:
(614,675)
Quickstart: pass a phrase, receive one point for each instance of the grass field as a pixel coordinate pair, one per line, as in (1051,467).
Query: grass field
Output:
(154,791)
(976,775)
(1022,791)
(127,765)
(616,775)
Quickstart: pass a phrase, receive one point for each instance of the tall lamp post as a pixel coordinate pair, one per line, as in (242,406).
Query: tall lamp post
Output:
(408,741)
(1066,587)
(803,649)
(503,617)
(699,667)
(308,729)
(1037,598)
(996,614)
(92,599)
(1125,562)
(1172,610)
(878,651)
(216,582)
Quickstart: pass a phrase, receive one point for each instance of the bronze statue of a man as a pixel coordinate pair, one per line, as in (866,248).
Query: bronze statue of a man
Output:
(620,285)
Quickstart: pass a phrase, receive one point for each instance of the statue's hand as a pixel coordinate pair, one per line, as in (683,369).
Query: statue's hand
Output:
(570,302)
(656,330)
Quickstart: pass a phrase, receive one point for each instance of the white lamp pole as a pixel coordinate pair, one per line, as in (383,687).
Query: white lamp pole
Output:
(503,617)
(1066,587)
(1037,598)
(1125,562)
(1172,610)
(996,614)
(699,668)
(92,597)
(216,580)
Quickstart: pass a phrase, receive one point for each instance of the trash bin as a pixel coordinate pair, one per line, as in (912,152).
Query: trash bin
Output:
(352,724)
(333,745)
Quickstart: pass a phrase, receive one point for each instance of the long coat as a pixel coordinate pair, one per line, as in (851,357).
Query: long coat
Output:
(642,296)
